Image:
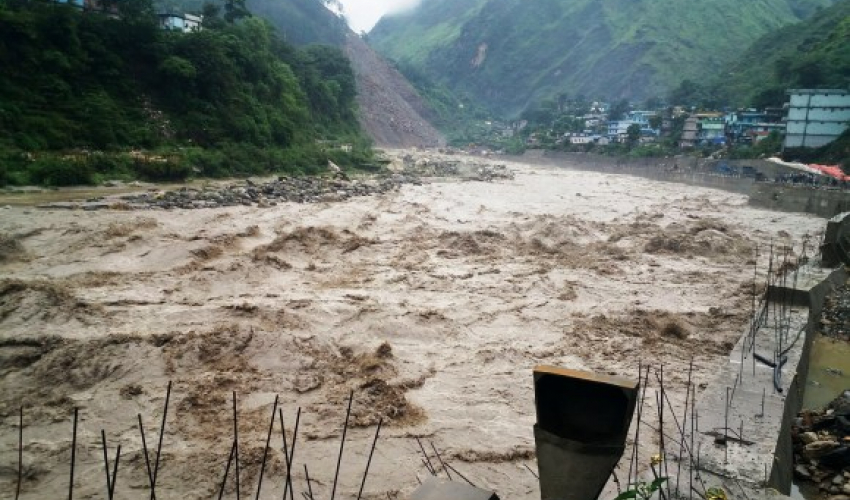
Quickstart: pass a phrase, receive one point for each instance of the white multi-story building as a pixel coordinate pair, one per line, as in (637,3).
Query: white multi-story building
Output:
(186,23)
(816,117)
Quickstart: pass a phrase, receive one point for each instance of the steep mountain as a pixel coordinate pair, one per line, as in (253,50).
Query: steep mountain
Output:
(390,110)
(509,53)
(814,53)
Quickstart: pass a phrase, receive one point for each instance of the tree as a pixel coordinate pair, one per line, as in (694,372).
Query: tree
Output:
(655,122)
(633,134)
(618,110)
(235,10)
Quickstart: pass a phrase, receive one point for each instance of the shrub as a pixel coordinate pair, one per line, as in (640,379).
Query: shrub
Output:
(170,170)
(55,171)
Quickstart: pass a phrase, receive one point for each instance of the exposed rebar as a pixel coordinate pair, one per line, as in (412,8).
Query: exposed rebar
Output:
(20,454)
(369,461)
(342,444)
(73,455)
(159,445)
(266,449)
(440,459)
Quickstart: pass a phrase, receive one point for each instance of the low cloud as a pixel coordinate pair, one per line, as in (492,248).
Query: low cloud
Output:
(363,14)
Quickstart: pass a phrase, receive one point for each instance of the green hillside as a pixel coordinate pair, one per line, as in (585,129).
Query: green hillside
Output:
(509,53)
(230,99)
(814,53)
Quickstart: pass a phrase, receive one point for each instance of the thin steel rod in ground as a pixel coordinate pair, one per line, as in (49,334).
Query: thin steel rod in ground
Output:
(342,444)
(690,451)
(470,482)
(662,444)
(106,465)
(288,485)
(675,420)
(226,471)
(145,450)
(642,389)
(266,449)
(159,444)
(428,464)
(236,445)
(20,454)
(684,424)
(110,480)
(617,481)
(531,471)
(726,429)
(660,488)
(369,461)
(73,455)
(286,456)
(309,486)
(115,472)
(440,459)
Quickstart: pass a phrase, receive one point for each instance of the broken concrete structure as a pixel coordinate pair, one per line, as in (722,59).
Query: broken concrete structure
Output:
(582,423)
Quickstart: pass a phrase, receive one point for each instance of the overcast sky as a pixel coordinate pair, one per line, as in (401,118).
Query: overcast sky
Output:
(363,14)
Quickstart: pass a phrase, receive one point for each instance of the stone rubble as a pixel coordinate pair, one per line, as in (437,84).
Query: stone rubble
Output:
(293,189)
(835,322)
(822,447)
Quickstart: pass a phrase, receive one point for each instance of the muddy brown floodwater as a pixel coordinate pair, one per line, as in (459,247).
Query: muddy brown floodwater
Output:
(432,303)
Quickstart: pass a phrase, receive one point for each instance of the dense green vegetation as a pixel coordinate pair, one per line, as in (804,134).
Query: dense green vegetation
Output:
(231,99)
(811,54)
(509,53)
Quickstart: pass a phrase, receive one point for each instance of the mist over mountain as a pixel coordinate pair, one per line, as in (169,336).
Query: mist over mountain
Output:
(505,54)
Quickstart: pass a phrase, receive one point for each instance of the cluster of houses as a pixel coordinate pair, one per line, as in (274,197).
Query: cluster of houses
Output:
(810,118)
(173,21)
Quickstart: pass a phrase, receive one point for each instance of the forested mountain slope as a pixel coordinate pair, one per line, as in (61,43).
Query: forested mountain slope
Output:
(235,92)
(508,53)
(814,53)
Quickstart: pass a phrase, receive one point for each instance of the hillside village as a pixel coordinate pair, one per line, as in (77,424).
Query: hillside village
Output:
(810,118)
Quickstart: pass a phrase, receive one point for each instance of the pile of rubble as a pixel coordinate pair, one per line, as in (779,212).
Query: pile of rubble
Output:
(444,167)
(822,447)
(248,193)
(835,321)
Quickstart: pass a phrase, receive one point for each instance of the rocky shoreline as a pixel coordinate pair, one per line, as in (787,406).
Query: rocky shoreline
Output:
(336,188)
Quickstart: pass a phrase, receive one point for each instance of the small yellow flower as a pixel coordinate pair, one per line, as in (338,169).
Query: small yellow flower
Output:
(657,459)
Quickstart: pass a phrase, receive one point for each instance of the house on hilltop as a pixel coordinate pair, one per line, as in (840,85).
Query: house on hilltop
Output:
(187,23)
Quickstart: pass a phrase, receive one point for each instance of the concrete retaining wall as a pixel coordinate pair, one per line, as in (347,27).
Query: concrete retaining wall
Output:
(787,198)
(765,459)
(701,172)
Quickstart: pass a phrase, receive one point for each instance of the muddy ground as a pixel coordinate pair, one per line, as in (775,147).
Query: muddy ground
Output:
(432,304)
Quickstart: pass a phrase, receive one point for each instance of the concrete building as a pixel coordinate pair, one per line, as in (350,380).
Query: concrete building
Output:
(186,23)
(689,133)
(816,117)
